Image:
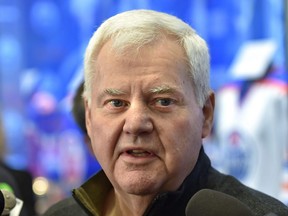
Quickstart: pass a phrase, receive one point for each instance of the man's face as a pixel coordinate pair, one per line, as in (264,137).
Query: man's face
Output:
(144,123)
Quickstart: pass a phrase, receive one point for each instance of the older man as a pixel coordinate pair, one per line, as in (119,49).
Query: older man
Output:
(148,107)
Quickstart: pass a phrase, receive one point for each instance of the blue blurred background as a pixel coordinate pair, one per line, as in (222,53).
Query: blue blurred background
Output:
(41,48)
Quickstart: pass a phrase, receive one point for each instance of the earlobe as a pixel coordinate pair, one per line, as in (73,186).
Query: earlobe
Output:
(208,114)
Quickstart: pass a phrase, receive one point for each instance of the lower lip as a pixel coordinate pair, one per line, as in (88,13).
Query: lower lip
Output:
(137,159)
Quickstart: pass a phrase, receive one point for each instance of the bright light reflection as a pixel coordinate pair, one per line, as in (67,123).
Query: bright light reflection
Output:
(40,186)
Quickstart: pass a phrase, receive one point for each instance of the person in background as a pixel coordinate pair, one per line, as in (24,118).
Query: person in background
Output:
(78,112)
(148,106)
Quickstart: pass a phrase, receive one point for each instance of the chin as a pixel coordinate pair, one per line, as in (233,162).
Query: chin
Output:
(141,191)
(140,186)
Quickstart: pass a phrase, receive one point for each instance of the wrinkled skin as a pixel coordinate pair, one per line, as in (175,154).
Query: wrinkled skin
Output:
(145,125)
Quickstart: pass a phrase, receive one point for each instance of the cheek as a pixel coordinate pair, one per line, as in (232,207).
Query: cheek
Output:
(104,137)
(100,139)
(183,142)
(186,130)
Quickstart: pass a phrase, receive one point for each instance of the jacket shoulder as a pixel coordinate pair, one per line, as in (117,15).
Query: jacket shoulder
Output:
(66,207)
(260,203)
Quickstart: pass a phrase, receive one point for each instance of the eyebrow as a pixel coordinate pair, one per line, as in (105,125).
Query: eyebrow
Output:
(114,92)
(162,89)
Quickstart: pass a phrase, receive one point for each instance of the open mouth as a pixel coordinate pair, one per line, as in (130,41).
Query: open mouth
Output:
(139,153)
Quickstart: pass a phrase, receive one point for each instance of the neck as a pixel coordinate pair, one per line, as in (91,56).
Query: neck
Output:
(126,205)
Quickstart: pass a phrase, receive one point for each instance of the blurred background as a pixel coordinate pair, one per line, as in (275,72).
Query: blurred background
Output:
(41,50)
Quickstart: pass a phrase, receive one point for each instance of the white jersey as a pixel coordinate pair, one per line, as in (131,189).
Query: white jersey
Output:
(253,133)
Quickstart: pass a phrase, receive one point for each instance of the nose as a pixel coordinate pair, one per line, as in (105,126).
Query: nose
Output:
(138,120)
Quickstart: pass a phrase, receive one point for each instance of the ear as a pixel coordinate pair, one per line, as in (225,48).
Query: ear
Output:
(87,117)
(208,114)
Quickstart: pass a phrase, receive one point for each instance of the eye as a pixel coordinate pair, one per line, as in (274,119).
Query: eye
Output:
(117,103)
(164,102)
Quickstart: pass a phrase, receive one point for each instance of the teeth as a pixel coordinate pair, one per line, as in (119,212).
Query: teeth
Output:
(138,153)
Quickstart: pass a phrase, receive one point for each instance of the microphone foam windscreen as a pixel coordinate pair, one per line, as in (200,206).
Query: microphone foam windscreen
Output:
(208,202)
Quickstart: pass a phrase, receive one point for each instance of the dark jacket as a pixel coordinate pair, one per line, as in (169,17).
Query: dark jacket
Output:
(90,194)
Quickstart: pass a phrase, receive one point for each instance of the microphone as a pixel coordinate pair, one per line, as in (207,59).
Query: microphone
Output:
(7,202)
(208,202)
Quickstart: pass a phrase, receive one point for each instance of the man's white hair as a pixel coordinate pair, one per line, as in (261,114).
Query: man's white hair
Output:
(137,28)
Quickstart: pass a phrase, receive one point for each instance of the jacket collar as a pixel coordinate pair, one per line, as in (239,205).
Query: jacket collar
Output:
(174,203)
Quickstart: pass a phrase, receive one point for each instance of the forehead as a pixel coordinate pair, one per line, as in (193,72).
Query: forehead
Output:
(145,69)
(133,49)
(161,63)
(166,51)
